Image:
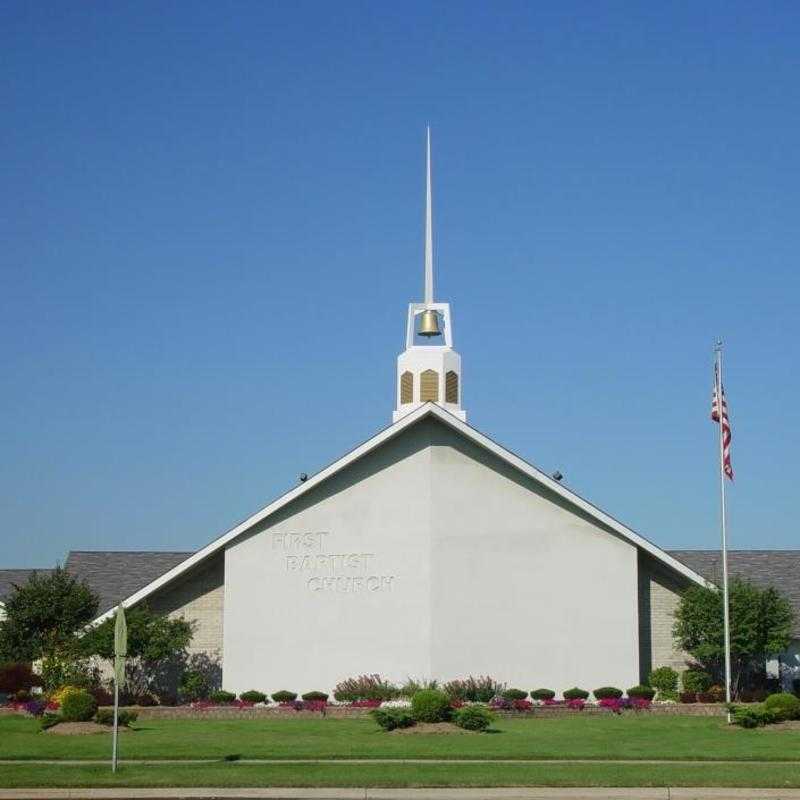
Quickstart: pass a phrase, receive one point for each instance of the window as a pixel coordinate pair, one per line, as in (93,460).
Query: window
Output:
(406,388)
(451,387)
(429,386)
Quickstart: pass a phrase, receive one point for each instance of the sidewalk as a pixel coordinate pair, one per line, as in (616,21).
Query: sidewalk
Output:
(665,793)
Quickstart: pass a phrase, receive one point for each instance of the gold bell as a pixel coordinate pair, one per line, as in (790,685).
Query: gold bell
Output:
(429,324)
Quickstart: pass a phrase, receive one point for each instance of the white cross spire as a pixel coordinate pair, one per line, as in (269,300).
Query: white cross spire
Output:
(428,229)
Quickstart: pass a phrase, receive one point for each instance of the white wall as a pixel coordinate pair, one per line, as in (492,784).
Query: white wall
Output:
(306,625)
(524,589)
(460,564)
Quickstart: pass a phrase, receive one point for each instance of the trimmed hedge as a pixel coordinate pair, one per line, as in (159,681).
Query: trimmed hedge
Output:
(317,696)
(783,705)
(664,680)
(430,705)
(645,692)
(391,718)
(542,694)
(473,718)
(608,693)
(78,706)
(221,696)
(514,694)
(284,696)
(576,694)
(253,696)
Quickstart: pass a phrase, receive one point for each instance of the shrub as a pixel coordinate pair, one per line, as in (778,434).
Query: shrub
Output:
(500,703)
(543,694)
(22,695)
(576,694)
(193,686)
(474,690)
(321,697)
(522,705)
(364,687)
(391,718)
(666,695)
(253,696)
(17,675)
(576,704)
(49,720)
(105,716)
(796,686)
(473,718)
(77,706)
(687,697)
(608,693)
(695,680)
(430,705)
(663,679)
(221,696)
(514,694)
(412,686)
(284,696)
(752,717)
(783,705)
(646,692)
(715,694)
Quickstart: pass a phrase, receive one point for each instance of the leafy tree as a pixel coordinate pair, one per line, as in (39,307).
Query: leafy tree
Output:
(761,624)
(44,616)
(151,637)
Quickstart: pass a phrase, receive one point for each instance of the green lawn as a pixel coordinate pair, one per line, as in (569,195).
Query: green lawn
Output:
(30,775)
(631,736)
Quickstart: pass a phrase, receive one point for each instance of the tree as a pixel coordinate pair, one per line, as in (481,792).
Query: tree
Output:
(151,637)
(44,616)
(156,649)
(761,625)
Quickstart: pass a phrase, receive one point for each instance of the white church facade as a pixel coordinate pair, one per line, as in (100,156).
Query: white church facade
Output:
(427,551)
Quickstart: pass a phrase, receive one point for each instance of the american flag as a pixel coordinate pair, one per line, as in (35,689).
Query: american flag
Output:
(726,425)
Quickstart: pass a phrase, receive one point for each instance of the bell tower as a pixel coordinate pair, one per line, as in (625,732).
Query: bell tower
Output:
(428,370)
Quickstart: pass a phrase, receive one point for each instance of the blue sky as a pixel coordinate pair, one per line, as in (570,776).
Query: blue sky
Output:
(211,220)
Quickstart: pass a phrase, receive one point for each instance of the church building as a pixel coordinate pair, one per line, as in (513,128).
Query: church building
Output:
(429,550)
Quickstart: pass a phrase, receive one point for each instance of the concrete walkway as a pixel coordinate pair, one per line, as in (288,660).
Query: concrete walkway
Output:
(665,793)
(450,761)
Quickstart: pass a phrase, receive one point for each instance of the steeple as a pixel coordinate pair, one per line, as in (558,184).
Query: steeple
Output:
(428,370)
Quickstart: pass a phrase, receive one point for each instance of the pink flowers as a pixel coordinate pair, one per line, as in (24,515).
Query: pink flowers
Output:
(365,703)
(522,705)
(616,705)
(577,704)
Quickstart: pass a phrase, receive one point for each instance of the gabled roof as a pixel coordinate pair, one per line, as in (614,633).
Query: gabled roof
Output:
(776,568)
(470,433)
(16,577)
(114,575)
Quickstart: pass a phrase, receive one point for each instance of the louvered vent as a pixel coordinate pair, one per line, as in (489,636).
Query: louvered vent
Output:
(429,386)
(406,388)
(451,387)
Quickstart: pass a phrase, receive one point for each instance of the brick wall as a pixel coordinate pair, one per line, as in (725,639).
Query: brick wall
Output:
(659,593)
(198,596)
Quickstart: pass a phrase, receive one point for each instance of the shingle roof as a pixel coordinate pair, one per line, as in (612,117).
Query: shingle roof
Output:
(777,568)
(115,574)
(9,577)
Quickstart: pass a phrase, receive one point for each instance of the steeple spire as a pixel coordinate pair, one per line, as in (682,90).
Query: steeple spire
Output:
(428,372)
(428,228)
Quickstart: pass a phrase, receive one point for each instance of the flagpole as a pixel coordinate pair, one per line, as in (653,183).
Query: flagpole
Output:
(116,724)
(723,522)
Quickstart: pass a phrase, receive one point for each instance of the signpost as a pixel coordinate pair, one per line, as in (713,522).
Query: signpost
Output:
(120,652)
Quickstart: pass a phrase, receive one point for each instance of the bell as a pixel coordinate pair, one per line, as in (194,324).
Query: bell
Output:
(429,324)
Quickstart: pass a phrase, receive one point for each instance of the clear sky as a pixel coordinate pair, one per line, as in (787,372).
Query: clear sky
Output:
(211,224)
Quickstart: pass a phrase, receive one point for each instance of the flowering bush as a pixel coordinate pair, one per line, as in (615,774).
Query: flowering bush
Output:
(456,703)
(366,703)
(311,705)
(399,703)
(522,705)
(500,703)
(576,704)
(365,687)
(476,690)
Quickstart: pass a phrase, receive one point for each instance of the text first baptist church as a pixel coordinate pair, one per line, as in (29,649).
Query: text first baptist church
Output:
(376,560)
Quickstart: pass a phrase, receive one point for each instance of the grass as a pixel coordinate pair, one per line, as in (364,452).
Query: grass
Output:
(630,736)
(372,775)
